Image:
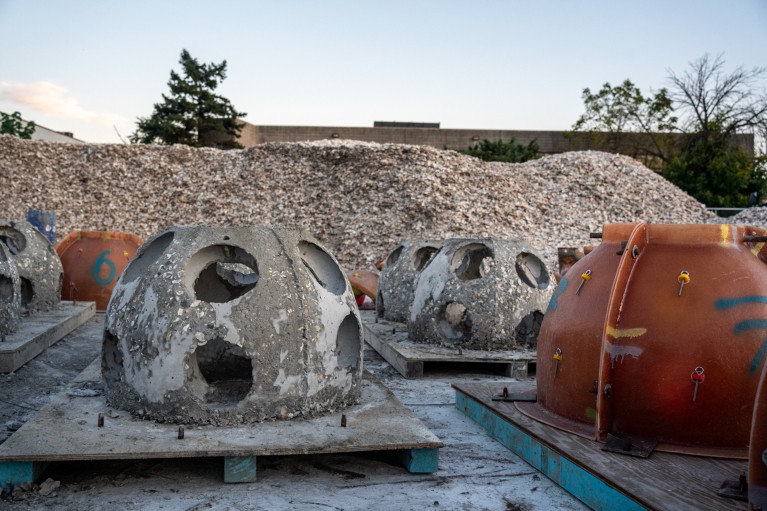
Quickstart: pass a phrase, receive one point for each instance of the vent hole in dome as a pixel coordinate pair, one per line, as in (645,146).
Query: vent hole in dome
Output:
(111,360)
(423,256)
(6,288)
(394,256)
(146,256)
(322,267)
(227,370)
(348,343)
(455,321)
(532,271)
(27,292)
(13,239)
(472,262)
(380,307)
(221,273)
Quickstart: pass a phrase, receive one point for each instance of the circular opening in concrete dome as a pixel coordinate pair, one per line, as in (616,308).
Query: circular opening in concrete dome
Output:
(27,292)
(221,273)
(380,307)
(147,254)
(394,256)
(227,370)
(455,321)
(3,257)
(322,267)
(111,360)
(423,256)
(13,239)
(532,271)
(6,288)
(348,342)
(472,261)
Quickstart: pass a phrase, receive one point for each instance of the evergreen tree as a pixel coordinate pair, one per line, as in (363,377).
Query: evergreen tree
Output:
(192,114)
(509,152)
(13,124)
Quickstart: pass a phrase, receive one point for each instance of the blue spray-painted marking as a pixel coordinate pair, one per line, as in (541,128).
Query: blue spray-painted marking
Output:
(101,261)
(553,302)
(749,324)
(726,303)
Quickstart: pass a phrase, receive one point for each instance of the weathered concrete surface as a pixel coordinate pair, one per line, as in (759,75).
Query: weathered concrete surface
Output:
(232,325)
(38,332)
(39,266)
(481,294)
(396,285)
(475,471)
(10,293)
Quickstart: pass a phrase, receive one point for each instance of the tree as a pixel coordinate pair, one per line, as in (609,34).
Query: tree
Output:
(715,107)
(614,111)
(509,152)
(193,114)
(13,125)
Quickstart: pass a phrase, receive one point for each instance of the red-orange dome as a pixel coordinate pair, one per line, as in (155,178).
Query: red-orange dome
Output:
(630,343)
(93,261)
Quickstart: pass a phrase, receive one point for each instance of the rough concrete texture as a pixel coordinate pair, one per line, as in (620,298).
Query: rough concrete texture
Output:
(231,325)
(396,284)
(481,294)
(10,293)
(40,269)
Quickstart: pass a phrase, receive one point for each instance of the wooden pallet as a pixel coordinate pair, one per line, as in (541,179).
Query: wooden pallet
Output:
(66,429)
(40,331)
(411,359)
(602,480)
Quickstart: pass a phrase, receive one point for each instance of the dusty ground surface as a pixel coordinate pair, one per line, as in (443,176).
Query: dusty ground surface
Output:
(475,472)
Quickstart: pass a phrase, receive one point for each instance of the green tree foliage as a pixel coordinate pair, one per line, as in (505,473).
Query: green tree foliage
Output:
(688,132)
(192,114)
(614,111)
(716,106)
(12,124)
(510,152)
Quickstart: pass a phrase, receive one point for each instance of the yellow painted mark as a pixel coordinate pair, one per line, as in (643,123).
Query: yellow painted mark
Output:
(725,233)
(757,248)
(619,333)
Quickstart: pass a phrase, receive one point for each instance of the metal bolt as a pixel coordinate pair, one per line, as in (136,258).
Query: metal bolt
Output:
(394,331)
(635,252)
(181,432)
(608,390)
(101,420)
(505,392)
(343,421)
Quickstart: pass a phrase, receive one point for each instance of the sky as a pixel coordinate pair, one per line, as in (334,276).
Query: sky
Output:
(93,67)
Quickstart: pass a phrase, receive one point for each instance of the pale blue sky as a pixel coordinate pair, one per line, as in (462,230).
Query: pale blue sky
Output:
(84,66)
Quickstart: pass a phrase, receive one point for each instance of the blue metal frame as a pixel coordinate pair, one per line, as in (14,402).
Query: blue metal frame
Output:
(587,487)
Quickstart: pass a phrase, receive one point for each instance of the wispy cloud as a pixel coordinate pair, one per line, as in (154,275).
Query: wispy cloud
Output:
(55,100)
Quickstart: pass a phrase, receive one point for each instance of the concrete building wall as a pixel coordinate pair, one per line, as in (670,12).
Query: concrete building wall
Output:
(549,142)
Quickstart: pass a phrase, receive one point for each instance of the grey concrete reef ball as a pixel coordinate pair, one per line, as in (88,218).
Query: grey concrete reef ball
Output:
(484,294)
(396,284)
(10,293)
(232,325)
(40,270)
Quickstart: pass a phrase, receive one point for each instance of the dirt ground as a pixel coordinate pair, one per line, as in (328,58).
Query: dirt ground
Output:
(475,472)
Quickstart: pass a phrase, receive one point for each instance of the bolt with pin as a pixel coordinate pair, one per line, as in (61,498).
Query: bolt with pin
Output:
(684,278)
(557,358)
(697,378)
(584,278)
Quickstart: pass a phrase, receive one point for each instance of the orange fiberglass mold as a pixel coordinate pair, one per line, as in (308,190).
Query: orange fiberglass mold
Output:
(93,261)
(659,333)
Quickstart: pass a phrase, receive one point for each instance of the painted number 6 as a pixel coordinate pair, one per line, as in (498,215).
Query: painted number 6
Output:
(102,260)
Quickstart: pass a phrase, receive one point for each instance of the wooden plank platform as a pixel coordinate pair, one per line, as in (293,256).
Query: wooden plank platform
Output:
(38,332)
(412,359)
(602,480)
(66,429)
